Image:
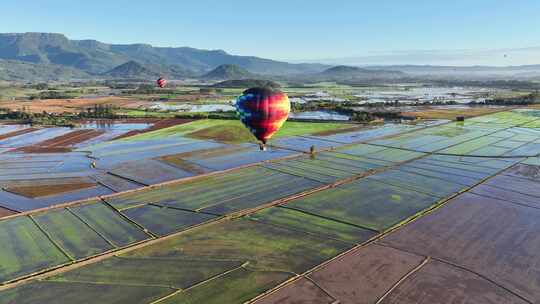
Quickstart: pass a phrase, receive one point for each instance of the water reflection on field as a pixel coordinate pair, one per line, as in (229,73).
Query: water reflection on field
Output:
(319,115)
(426,94)
(114,125)
(160,106)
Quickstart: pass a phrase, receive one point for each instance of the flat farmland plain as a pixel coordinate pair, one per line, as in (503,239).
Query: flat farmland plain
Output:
(442,212)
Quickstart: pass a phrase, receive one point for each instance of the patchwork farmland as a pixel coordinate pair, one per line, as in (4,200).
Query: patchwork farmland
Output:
(434,212)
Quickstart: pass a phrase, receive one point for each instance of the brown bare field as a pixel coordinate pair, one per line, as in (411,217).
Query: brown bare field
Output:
(69,105)
(302,291)
(158,125)
(38,149)
(6,212)
(46,190)
(509,196)
(496,239)
(16,133)
(451,114)
(72,138)
(534,106)
(514,184)
(437,282)
(61,143)
(363,276)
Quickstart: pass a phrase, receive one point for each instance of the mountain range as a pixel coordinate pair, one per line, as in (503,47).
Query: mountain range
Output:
(49,56)
(26,56)
(96,58)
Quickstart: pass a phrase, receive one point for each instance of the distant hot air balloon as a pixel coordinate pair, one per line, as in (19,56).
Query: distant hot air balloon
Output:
(161,82)
(263,111)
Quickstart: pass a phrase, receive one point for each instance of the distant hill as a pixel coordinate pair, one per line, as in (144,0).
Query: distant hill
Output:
(343,70)
(247,83)
(132,69)
(96,58)
(466,72)
(228,72)
(349,72)
(30,72)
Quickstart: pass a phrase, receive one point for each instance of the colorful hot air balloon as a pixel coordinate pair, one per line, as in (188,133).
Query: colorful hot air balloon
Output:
(161,82)
(263,111)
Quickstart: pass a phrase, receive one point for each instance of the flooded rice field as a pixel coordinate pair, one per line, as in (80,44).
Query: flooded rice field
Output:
(398,213)
(186,107)
(319,115)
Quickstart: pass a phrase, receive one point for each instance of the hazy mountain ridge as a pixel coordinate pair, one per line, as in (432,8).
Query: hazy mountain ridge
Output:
(520,72)
(95,57)
(352,71)
(49,56)
(344,73)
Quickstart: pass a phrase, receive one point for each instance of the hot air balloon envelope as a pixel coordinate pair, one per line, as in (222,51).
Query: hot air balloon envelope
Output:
(161,82)
(263,111)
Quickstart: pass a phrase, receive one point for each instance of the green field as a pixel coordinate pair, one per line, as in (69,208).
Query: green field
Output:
(162,220)
(174,273)
(354,163)
(318,170)
(221,194)
(26,249)
(201,189)
(10,92)
(61,292)
(365,203)
(74,236)
(384,155)
(232,131)
(440,173)
(491,135)
(262,246)
(228,262)
(421,183)
(265,194)
(235,287)
(296,220)
(109,224)
(486,166)
(217,239)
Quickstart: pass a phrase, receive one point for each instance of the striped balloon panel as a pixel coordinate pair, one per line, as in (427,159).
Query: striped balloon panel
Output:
(263,115)
(161,82)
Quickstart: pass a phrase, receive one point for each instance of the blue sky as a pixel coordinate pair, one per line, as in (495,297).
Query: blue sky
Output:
(291,30)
